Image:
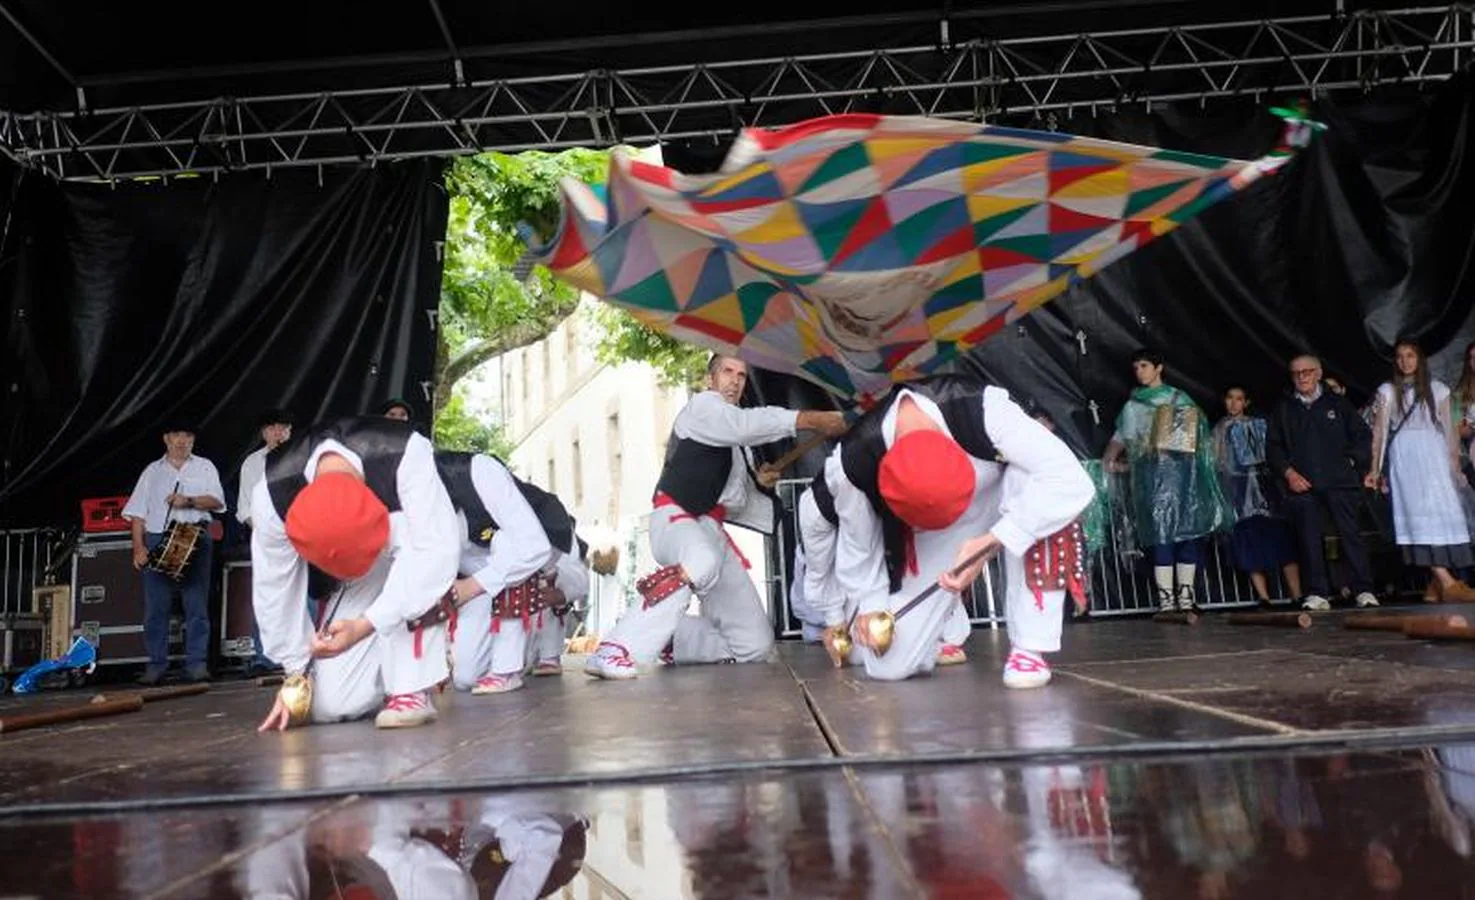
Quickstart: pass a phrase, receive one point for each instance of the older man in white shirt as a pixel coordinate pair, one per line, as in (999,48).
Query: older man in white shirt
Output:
(708,480)
(179,487)
(275,428)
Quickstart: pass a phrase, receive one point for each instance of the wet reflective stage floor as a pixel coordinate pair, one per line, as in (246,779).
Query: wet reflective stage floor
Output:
(1165,761)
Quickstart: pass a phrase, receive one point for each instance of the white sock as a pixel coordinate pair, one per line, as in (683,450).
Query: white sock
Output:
(1186,573)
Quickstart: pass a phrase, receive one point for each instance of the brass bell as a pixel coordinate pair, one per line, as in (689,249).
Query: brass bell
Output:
(838,643)
(876,629)
(296,695)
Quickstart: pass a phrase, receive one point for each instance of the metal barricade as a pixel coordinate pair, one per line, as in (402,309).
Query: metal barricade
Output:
(1120,583)
(985,601)
(24,556)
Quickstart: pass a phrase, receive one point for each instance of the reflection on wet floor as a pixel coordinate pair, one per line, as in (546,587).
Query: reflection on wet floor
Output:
(1395,824)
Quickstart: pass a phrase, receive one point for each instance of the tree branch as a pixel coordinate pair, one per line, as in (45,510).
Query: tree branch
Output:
(519,335)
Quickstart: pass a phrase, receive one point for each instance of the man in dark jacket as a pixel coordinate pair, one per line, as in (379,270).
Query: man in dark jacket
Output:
(1318,444)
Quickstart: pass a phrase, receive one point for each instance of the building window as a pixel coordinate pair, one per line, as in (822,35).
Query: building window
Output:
(547,375)
(571,348)
(527,384)
(552,482)
(616,466)
(578,474)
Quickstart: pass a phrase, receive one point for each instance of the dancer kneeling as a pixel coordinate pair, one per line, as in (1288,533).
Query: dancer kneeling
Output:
(941,471)
(509,530)
(824,602)
(360,500)
(707,480)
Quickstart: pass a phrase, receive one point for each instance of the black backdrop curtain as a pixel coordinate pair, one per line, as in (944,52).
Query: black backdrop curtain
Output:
(1368,237)
(128,306)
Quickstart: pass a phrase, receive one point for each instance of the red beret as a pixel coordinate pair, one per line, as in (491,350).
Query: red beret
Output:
(338,525)
(927,480)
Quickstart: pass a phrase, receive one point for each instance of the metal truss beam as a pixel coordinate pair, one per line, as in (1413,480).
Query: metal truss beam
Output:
(967,75)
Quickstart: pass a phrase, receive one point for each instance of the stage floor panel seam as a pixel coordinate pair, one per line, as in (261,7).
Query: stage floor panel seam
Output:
(1268,725)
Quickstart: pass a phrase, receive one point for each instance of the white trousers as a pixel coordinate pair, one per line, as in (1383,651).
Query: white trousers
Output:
(479,651)
(732,624)
(1031,626)
(354,683)
(548,641)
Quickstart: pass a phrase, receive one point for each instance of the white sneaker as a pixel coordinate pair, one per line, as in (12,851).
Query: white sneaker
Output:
(406,711)
(1365,600)
(611,662)
(1024,669)
(497,684)
(1316,604)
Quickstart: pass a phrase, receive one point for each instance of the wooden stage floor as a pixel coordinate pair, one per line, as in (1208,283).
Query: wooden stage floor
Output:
(1209,761)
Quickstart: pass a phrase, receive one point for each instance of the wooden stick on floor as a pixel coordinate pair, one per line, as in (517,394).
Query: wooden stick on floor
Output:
(1437,630)
(154,695)
(1360,622)
(22,721)
(1177,618)
(1272,619)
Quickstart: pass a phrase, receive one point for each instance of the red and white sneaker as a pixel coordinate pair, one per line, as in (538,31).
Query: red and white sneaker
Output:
(552,665)
(611,662)
(497,684)
(951,655)
(668,655)
(1024,669)
(406,711)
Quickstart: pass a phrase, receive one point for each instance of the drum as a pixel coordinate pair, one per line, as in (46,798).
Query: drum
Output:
(173,555)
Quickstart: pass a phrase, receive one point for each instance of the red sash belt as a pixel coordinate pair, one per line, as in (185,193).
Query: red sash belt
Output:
(717,513)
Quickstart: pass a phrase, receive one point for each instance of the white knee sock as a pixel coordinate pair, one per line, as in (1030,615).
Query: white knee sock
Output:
(1162,576)
(1186,573)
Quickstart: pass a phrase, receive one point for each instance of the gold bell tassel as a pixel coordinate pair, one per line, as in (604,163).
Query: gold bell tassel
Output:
(877,630)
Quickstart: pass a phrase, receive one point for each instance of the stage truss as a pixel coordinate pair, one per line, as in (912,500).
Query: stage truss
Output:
(964,75)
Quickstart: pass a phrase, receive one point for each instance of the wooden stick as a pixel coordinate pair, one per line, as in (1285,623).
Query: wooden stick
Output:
(157,694)
(793,456)
(127,704)
(1437,630)
(1177,618)
(1274,619)
(270,680)
(1396,623)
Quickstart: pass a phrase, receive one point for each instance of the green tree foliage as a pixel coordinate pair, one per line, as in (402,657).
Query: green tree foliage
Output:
(456,428)
(486,309)
(623,337)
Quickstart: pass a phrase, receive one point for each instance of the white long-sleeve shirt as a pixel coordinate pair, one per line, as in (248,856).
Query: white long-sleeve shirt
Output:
(520,548)
(253,470)
(150,498)
(422,546)
(1052,493)
(822,594)
(573,576)
(709,419)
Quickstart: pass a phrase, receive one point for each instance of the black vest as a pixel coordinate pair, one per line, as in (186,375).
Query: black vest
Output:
(824,499)
(961,401)
(380,444)
(455,473)
(695,474)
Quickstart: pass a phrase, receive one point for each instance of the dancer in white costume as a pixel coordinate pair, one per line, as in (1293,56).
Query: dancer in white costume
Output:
(943,470)
(708,480)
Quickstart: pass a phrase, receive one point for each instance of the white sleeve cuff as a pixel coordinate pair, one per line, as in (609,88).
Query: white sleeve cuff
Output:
(1015,539)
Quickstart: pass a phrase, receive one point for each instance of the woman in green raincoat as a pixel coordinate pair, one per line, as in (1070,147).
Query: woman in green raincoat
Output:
(1176,497)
